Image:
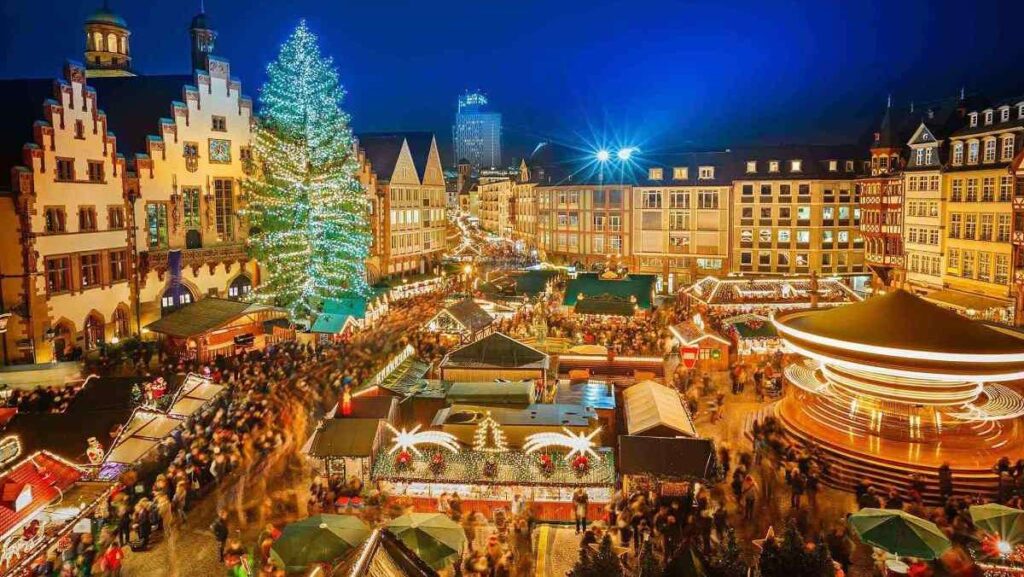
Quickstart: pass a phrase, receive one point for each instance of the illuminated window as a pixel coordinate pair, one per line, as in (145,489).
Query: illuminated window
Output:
(706,172)
(773,166)
(54,219)
(90,269)
(1007,154)
(118,265)
(654,174)
(958,153)
(751,166)
(680,173)
(795,165)
(219,124)
(990,150)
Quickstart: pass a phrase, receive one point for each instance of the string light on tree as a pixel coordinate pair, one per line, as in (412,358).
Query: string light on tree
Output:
(307,211)
(488,437)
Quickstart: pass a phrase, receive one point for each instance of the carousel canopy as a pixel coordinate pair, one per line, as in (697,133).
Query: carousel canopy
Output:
(205,315)
(652,409)
(898,328)
(496,351)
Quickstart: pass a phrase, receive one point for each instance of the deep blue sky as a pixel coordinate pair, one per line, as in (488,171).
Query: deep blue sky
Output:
(654,71)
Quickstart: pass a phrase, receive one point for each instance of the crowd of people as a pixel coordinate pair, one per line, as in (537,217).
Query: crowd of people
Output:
(52,399)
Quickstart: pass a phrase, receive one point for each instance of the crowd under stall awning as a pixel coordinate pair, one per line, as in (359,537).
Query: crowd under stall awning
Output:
(654,410)
(195,393)
(667,458)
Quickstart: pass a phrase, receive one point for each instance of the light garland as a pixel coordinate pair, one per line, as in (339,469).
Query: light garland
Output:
(307,211)
(411,440)
(489,428)
(577,443)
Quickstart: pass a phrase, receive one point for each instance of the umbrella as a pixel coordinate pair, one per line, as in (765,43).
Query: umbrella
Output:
(432,536)
(899,533)
(1005,522)
(317,539)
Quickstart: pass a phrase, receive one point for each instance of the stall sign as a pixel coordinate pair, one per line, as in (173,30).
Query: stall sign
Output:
(689,356)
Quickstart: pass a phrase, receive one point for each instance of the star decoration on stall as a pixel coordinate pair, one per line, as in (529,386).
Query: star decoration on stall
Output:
(759,543)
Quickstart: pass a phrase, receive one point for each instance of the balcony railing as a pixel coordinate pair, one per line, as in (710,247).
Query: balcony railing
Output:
(195,257)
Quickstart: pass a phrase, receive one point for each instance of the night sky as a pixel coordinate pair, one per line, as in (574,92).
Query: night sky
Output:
(656,73)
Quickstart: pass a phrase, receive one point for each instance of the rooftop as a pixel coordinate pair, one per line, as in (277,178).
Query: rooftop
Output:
(496,350)
(205,315)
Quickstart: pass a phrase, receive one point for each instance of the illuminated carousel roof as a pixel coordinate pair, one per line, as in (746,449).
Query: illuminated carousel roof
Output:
(899,329)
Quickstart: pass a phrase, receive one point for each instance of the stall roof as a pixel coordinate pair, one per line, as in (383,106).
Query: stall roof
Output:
(491,393)
(205,315)
(617,295)
(468,314)
(144,431)
(539,414)
(407,379)
(751,326)
(384,555)
(496,350)
(45,475)
(650,405)
(691,333)
(344,438)
(337,312)
(195,392)
(666,457)
(130,450)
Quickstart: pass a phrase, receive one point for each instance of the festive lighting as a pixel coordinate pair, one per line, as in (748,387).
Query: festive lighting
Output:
(625,153)
(307,211)
(488,437)
(411,440)
(603,155)
(577,443)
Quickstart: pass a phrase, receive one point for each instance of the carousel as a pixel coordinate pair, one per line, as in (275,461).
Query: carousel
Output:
(895,385)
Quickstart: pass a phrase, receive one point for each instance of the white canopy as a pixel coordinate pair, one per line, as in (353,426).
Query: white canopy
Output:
(193,395)
(131,450)
(143,432)
(650,405)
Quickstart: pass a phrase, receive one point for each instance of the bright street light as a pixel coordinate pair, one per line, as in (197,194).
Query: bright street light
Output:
(625,153)
(603,155)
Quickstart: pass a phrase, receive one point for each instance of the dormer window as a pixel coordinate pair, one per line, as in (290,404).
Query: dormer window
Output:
(988,117)
(958,153)
(680,173)
(1004,114)
(919,156)
(706,172)
(928,155)
(833,166)
(849,166)
(655,174)
(751,166)
(973,119)
(773,166)
(1020,111)
(795,165)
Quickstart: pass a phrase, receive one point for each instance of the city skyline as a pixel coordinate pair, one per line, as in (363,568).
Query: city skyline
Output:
(721,85)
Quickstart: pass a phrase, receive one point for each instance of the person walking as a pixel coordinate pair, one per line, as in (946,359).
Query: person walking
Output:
(220,532)
(749,494)
(113,560)
(580,500)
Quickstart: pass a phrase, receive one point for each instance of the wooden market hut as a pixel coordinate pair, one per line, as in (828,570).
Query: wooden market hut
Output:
(654,410)
(349,313)
(518,423)
(347,446)
(464,319)
(496,356)
(610,294)
(665,461)
(213,326)
(713,348)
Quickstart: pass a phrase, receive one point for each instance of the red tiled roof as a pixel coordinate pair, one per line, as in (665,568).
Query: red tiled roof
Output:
(48,477)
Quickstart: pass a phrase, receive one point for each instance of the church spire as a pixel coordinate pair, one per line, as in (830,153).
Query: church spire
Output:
(202,37)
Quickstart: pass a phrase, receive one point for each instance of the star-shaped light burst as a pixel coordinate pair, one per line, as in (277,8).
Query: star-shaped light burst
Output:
(759,543)
(575,442)
(410,440)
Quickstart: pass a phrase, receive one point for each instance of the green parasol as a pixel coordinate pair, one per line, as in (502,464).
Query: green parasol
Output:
(433,537)
(317,539)
(899,533)
(1005,522)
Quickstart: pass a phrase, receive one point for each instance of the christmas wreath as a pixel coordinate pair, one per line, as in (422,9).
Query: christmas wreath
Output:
(437,463)
(546,464)
(403,460)
(581,464)
(490,468)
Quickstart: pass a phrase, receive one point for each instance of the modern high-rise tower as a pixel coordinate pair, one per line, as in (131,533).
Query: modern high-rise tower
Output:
(477,132)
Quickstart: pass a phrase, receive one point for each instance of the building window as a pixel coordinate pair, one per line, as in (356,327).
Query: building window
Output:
(785,190)
(93,332)
(773,166)
(748,190)
(678,220)
(764,259)
(973,118)
(190,206)
(1003,228)
(54,220)
(953,261)
(120,322)
(90,267)
(652,199)
(766,190)
(957,190)
(219,124)
(955,224)
(95,171)
(1007,154)
(985,232)
(919,157)
(245,155)
(707,199)
(990,150)
(79,130)
(970,226)
(58,274)
(240,287)
(115,217)
(833,166)
(87,218)
(223,193)
(967,268)
(972,190)
(1004,114)
(958,153)
(1005,188)
(751,166)
(118,265)
(795,165)
(706,172)
(928,155)
(972,152)
(680,173)
(679,199)
(654,174)
(746,258)
(65,169)
(988,117)
(156,224)
(1002,270)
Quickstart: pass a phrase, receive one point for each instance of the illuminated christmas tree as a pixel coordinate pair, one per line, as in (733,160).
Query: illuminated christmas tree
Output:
(307,210)
(488,437)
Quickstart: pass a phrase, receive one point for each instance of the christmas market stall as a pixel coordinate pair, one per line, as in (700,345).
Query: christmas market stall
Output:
(495,357)
(213,327)
(752,294)
(610,293)
(701,345)
(512,394)
(753,334)
(464,321)
(346,446)
(654,410)
(664,463)
(195,395)
(145,431)
(384,555)
(347,314)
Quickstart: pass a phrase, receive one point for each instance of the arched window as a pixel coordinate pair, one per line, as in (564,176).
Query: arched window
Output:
(175,298)
(239,287)
(97,41)
(123,45)
(93,332)
(120,322)
(111,42)
(63,341)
